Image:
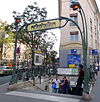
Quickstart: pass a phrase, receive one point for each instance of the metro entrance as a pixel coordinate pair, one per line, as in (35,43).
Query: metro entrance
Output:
(39,26)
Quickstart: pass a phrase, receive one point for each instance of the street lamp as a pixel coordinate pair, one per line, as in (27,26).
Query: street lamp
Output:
(77,6)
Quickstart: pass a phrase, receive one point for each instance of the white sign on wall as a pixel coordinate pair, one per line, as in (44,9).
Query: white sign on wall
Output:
(68,71)
(38,59)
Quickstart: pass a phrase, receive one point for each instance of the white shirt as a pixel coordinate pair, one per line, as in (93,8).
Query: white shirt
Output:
(57,81)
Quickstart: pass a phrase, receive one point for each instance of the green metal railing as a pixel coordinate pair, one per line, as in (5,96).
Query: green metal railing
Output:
(26,74)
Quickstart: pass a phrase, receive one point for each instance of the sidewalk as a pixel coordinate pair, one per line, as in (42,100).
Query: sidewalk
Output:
(96,91)
(52,97)
(44,96)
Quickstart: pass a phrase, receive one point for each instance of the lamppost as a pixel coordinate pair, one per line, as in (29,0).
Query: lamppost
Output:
(77,6)
(14,76)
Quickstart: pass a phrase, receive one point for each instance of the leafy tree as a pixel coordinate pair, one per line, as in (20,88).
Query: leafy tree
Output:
(31,14)
(53,55)
(47,45)
(6,37)
(38,39)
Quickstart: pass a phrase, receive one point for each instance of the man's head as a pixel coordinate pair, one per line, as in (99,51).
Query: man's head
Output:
(64,78)
(81,66)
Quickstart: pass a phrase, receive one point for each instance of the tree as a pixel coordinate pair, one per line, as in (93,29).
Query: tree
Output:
(52,56)
(46,46)
(38,39)
(6,37)
(31,14)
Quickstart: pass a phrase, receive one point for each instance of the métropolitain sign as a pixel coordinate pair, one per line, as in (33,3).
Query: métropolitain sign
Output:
(44,25)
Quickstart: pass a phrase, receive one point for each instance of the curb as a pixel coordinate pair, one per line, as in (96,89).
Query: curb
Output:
(19,85)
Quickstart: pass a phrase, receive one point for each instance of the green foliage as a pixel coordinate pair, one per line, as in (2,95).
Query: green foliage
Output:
(33,13)
(51,56)
(6,36)
(38,40)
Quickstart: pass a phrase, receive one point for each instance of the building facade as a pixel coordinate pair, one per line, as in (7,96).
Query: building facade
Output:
(21,52)
(70,53)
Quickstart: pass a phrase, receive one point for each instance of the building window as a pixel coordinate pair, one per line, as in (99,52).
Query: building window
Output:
(99,26)
(91,25)
(91,40)
(74,17)
(73,1)
(96,43)
(95,30)
(74,36)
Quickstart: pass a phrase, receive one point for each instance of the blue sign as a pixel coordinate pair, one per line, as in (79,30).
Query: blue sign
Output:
(95,52)
(74,59)
(73,51)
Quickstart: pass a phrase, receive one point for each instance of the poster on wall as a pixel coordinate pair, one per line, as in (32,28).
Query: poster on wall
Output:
(74,60)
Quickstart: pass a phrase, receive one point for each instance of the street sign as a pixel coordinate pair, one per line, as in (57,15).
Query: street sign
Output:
(38,52)
(73,51)
(95,52)
(44,25)
(38,59)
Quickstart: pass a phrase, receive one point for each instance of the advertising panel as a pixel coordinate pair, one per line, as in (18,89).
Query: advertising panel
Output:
(74,60)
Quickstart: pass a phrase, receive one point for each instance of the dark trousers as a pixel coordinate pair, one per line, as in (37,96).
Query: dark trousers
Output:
(78,87)
(64,90)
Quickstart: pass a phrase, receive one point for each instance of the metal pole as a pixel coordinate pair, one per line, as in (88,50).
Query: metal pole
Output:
(83,44)
(77,6)
(85,54)
(14,76)
(33,61)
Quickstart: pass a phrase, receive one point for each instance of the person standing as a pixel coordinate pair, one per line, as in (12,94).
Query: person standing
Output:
(80,80)
(65,85)
(55,85)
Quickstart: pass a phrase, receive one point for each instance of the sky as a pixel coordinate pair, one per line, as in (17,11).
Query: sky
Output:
(98,3)
(8,6)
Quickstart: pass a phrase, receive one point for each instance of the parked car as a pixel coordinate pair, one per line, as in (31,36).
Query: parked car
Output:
(4,70)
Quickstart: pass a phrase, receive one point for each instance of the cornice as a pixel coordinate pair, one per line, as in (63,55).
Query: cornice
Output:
(93,2)
(71,43)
